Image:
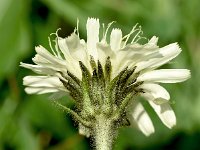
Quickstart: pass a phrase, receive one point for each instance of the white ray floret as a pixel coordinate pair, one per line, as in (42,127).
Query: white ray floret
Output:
(142,119)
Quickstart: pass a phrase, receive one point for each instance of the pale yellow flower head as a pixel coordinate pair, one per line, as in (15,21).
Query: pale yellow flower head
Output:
(124,54)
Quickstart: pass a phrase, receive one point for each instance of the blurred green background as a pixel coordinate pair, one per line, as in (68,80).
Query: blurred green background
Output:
(31,122)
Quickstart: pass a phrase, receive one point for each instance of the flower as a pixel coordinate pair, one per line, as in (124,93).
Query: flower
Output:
(105,77)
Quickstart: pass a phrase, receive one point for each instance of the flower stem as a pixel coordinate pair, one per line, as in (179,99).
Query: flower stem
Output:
(103,133)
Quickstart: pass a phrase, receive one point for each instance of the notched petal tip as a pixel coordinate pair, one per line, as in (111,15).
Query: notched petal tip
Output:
(92,22)
(38,48)
(153,40)
(115,39)
(92,27)
(171,49)
(187,74)
(92,18)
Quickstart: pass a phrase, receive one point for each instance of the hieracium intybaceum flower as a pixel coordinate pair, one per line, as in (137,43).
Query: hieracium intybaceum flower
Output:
(105,77)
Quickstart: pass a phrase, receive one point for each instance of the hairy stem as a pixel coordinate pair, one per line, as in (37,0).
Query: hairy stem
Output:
(103,133)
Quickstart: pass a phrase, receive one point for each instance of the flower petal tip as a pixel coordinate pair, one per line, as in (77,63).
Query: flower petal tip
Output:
(171,124)
(148,132)
(92,20)
(21,64)
(188,74)
(153,40)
